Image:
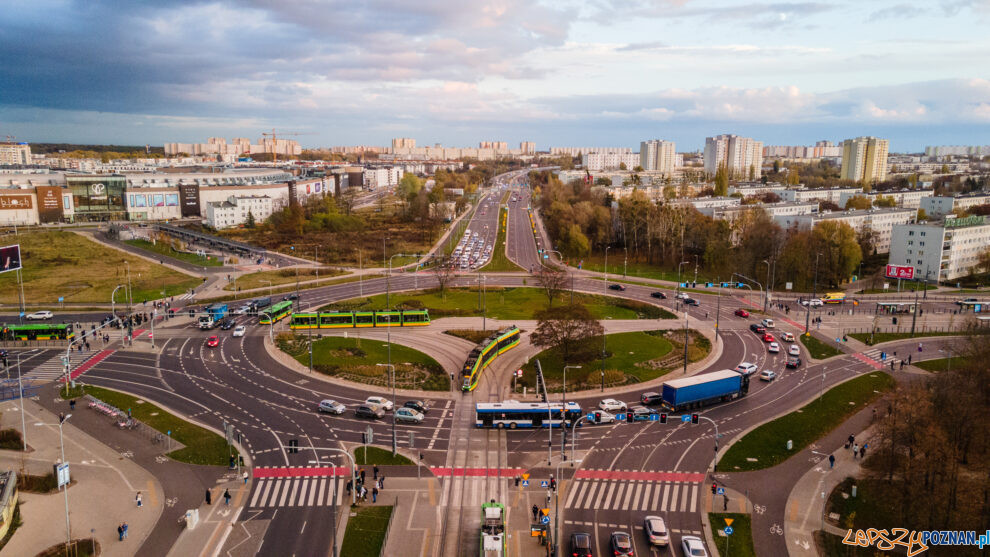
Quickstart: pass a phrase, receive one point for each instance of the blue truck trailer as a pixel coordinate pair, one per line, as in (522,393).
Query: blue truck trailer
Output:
(702,390)
(214,314)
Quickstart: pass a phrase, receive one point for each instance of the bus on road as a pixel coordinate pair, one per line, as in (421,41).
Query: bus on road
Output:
(513,414)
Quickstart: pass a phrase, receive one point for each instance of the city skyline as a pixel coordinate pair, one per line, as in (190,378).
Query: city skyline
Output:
(557,73)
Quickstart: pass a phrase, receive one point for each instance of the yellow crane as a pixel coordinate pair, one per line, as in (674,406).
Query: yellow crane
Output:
(274,137)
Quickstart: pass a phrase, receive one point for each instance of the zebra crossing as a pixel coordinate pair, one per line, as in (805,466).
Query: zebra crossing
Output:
(471,492)
(53,369)
(633,495)
(297,492)
(875,355)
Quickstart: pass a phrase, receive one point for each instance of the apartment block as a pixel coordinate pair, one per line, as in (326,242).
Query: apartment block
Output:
(15,153)
(658,155)
(581,151)
(527,147)
(946,205)
(945,250)
(864,159)
(823,194)
(903,198)
(403,143)
(234,211)
(596,162)
(743,156)
(881,221)
(820,150)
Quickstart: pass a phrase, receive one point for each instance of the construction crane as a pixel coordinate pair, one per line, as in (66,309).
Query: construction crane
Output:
(274,136)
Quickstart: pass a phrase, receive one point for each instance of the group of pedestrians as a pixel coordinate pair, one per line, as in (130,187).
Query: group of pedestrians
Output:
(378,484)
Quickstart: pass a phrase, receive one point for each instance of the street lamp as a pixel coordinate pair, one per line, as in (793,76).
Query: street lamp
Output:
(20,387)
(695,269)
(563,412)
(605,273)
(269,287)
(65,487)
(679,274)
(814,291)
(767,292)
(391,369)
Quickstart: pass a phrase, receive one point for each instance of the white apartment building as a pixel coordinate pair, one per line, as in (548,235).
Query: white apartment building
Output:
(823,194)
(903,198)
(707,205)
(820,150)
(403,143)
(581,151)
(382,177)
(864,159)
(239,146)
(234,211)
(496,145)
(945,251)
(881,221)
(939,151)
(527,148)
(776,211)
(15,153)
(658,155)
(945,205)
(747,189)
(596,162)
(743,156)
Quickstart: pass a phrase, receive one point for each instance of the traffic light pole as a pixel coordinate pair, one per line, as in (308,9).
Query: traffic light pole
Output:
(715,457)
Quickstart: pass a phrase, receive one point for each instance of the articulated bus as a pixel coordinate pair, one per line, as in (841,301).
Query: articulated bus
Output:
(513,414)
(834,298)
(493,542)
(276,312)
(351,319)
(37,331)
(888,308)
(485,353)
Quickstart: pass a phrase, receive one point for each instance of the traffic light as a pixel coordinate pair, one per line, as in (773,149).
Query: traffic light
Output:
(714,488)
(694,418)
(629,417)
(598,417)
(663,418)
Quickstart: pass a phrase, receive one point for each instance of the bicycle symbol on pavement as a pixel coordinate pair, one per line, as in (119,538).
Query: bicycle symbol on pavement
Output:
(161,459)
(171,501)
(127,454)
(776,529)
(760,509)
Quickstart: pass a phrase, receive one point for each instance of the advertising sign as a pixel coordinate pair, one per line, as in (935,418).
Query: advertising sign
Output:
(15,202)
(189,200)
(62,474)
(900,272)
(49,203)
(10,258)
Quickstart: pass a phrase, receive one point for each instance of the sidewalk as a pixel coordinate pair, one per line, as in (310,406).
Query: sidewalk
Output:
(101,496)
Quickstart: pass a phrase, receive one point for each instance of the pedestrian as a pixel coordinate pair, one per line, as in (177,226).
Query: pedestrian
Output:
(374,495)
(725,502)
(862,452)
(137,498)
(226,496)
(902,365)
(536,512)
(909,358)
(72,404)
(375,471)
(124,526)
(120,532)
(855,449)
(892,365)
(851,439)
(209,497)
(831,461)
(381,481)
(245,476)
(874,415)
(919,347)
(362,476)
(350,486)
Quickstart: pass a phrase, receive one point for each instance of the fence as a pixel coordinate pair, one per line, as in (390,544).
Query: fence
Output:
(124,421)
(10,390)
(388,526)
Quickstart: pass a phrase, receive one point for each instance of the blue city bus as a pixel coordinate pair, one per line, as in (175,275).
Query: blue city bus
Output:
(512,414)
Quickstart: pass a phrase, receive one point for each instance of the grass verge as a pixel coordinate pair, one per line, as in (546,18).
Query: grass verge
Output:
(166,249)
(877,338)
(765,446)
(279,277)
(873,507)
(500,262)
(740,543)
(366,529)
(818,349)
(942,364)
(63,264)
(905,287)
(372,456)
(202,446)
(356,359)
(473,335)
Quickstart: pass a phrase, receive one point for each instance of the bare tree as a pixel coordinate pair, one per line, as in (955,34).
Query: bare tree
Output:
(552,279)
(567,329)
(443,270)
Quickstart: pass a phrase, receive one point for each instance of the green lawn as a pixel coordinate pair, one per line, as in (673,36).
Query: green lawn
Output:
(366,529)
(942,364)
(818,349)
(871,508)
(877,338)
(503,303)
(60,263)
(641,270)
(202,446)
(356,359)
(500,262)
(473,335)
(767,443)
(905,287)
(371,456)
(283,276)
(163,248)
(740,543)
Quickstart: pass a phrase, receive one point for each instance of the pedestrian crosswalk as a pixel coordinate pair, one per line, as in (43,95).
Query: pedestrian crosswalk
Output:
(53,368)
(633,495)
(471,492)
(297,492)
(882,357)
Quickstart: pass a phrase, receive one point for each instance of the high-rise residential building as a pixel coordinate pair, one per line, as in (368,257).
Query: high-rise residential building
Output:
(15,153)
(403,143)
(742,156)
(864,159)
(496,145)
(938,251)
(580,151)
(596,162)
(658,155)
(527,147)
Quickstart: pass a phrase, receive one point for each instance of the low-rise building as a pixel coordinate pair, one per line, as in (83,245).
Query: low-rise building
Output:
(776,211)
(940,251)
(707,205)
(596,162)
(938,206)
(880,221)
(824,194)
(747,189)
(910,199)
(235,210)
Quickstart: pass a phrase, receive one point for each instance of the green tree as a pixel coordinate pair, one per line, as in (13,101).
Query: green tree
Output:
(752,172)
(922,214)
(858,202)
(576,243)
(840,250)
(722,181)
(622,166)
(567,329)
(776,166)
(250,220)
(885,201)
(793,177)
(945,169)
(637,168)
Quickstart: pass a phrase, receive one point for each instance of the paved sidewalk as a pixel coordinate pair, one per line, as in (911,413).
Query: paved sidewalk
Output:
(101,497)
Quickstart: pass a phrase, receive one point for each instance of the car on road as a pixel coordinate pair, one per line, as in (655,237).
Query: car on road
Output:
(213,341)
(787,337)
(621,544)
(603,417)
(371,411)
(416,405)
(967,302)
(43,314)
(408,415)
(746,368)
(693,547)
(240,330)
(331,407)
(650,398)
(659,295)
(290,297)
(767,375)
(611,404)
(681,296)
(226,325)
(581,544)
(768,323)
(385,403)
(767,337)
(692,302)
(656,531)
(814,302)
(741,313)
(793,350)
(619,287)
(757,328)
(642,413)
(793,361)
(773,348)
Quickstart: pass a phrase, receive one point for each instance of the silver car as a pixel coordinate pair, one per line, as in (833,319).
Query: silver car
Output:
(332,407)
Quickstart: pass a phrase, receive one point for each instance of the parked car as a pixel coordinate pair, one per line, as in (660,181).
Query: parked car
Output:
(693,547)
(43,314)
(416,405)
(371,411)
(767,337)
(768,323)
(650,398)
(656,531)
(619,287)
(794,350)
(331,407)
(741,313)
(767,375)
(408,415)
(581,544)
(611,404)
(746,368)
(757,328)
(213,341)
(621,544)
(291,297)
(786,337)
(793,362)
(385,403)
(239,330)
(773,348)
(658,294)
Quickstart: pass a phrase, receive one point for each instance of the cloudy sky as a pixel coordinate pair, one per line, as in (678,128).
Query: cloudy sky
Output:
(557,72)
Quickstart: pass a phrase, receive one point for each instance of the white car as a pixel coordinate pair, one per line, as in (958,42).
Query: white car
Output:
(767,323)
(692,546)
(746,368)
(610,404)
(787,337)
(43,314)
(814,302)
(656,531)
(605,417)
(385,403)
(240,330)
(773,348)
(331,407)
(794,350)
(767,375)
(408,415)
(681,296)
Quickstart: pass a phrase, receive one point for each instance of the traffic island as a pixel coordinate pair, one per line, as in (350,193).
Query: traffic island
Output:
(733,534)
(374,456)
(817,349)
(367,528)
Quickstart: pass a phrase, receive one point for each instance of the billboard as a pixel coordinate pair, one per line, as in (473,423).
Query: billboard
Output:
(900,272)
(189,200)
(10,258)
(14,202)
(49,203)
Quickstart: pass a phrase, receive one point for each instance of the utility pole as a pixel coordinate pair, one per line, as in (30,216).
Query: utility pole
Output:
(814,290)
(685,341)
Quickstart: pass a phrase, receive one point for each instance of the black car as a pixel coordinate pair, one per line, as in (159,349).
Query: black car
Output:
(416,405)
(793,362)
(226,324)
(642,414)
(581,544)
(658,294)
(291,297)
(621,544)
(369,411)
(757,328)
(619,287)
(692,302)
(650,398)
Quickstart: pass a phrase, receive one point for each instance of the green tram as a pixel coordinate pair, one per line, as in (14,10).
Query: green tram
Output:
(493,543)
(485,353)
(352,319)
(37,331)
(276,312)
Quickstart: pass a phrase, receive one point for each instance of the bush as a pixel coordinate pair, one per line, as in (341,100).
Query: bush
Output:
(10,439)
(37,484)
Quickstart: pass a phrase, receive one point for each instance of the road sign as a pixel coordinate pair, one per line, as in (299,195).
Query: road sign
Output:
(654,417)
(721,491)
(620,417)
(544,483)
(686,418)
(61,298)
(729,521)
(900,272)
(525,476)
(525,483)
(545,520)
(62,474)
(591,416)
(728,530)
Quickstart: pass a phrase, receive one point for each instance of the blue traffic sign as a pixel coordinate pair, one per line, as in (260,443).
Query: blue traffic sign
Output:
(590,416)
(525,483)
(544,483)
(685,418)
(740,285)
(22,314)
(721,491)
(708,285)
(728,530)
(654,417)
(61,298)
(545,519)
(620,417)
(684,285)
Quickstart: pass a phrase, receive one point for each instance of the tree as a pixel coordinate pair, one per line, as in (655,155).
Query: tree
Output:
(922,215)
(622,166)
(637,168)
(776,166)
(568,330)
(552,279)
(722,181)
(443,271)
(752,172)
(250,220)
(841,254)
(885,201)
(858,202)
(828,206)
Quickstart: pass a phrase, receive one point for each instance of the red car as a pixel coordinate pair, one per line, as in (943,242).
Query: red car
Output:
(767,337)
(213,341)
(742,313)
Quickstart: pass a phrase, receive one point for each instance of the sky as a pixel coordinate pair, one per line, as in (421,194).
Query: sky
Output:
(456,72)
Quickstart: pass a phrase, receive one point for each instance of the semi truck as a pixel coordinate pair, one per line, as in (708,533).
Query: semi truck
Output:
(214,314)
(705,389)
